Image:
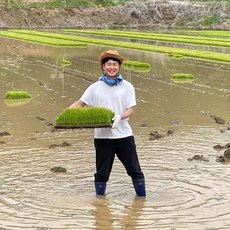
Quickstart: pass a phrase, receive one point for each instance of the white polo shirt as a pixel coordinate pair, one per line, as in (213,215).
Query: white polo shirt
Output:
(117,98)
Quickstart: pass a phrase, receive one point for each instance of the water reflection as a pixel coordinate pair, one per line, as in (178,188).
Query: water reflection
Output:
(180,194)
(108,217)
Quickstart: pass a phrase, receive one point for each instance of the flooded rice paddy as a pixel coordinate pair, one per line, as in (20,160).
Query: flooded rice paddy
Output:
(181,194)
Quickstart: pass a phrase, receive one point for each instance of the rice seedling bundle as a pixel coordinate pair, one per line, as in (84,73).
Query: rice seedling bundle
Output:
(84,117)
(175,55)
(17,95)
(65,62)
(136,64)
(182,76)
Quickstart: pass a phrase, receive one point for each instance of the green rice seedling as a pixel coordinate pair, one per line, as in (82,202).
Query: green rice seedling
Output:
(17,95)
(66,62)
(174,55)
(196,54)
(209,33)
(136,64)
(39,39)
(175,38)
(84,117)
(182,76)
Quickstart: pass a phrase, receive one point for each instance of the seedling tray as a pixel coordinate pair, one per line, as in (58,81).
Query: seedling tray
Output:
(86,117)
(83,126)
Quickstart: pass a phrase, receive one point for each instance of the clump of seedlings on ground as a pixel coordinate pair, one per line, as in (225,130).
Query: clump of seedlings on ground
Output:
(182,77)
(12,95)
(65,62)
(175,55)
(17,98)
(85,117)
(137,66)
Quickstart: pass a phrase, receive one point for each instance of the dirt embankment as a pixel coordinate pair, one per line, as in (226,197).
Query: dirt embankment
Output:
(151,14)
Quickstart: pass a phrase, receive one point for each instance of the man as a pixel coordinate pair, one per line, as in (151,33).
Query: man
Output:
(113,92)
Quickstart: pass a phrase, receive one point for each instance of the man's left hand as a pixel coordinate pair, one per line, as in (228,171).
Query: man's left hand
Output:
(116,119)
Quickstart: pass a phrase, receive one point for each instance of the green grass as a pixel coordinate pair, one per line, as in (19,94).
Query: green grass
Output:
(211,20)
(84,116)
(196,54)
(63,3)
(17,95)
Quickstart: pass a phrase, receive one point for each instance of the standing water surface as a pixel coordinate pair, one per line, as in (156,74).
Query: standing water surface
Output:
(181,194)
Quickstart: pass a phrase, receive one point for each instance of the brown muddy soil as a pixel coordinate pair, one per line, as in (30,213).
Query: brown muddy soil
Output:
(151,14)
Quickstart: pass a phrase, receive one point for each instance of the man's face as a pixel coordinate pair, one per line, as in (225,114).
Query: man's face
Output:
(111,68)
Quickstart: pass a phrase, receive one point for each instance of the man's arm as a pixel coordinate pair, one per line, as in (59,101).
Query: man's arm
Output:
(127,113)
(77,104)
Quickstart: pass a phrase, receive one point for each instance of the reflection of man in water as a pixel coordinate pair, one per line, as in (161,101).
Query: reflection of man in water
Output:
(105,220)
(113,92)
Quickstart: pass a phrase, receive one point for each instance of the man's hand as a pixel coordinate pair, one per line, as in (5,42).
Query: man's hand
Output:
(116,119)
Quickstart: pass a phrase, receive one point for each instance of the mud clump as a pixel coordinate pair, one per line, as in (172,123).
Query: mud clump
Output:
(63,144)
(45,121)
(58,169)
(225,158)
(156,135)
(220,147)
(218,120)
(198,158)
(4,133)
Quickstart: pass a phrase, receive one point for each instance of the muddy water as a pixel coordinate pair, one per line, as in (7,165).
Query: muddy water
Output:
(181,194)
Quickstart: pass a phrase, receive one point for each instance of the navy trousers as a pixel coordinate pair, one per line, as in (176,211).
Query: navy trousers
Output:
(124,149)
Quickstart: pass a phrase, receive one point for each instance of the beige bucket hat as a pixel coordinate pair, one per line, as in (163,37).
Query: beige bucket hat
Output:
(110,54)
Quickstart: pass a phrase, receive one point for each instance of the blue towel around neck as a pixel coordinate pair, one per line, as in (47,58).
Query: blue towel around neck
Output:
(115,81)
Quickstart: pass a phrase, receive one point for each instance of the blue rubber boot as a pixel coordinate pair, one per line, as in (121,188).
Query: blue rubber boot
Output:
(139,186)
(100,188)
